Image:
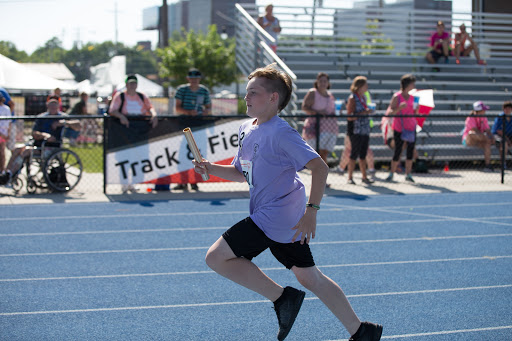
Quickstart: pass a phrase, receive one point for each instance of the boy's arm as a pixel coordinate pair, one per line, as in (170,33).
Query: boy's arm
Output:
(307,224)
(227,172)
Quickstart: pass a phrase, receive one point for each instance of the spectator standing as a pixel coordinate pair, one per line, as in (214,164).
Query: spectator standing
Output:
(320,101)
(402,104)
(192,99)
(478,134)
(44,129)
(271,25)
(130,102)
(80,108)
(461,49)
(440,44)
(5,126)
(504,132)
(358,127)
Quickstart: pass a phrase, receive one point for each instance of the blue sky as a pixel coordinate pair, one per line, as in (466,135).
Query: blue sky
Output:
(30,23)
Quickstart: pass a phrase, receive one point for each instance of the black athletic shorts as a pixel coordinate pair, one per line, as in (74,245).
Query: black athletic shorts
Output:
(247,240)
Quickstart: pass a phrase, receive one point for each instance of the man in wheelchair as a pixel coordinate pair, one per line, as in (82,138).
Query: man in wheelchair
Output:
(47,128)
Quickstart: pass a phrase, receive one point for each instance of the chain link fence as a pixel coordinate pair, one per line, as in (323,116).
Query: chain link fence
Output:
(440,158)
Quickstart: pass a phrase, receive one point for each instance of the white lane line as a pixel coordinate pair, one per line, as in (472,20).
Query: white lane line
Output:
(335,207)
(181,273)
(410,212)
(221,228)
(424,238)
(442,332)
(447,332)
(64,233)
(117,216)
(191,305)
(503,203)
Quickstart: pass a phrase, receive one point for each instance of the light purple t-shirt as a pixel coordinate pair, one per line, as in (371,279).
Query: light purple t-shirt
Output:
(270,155)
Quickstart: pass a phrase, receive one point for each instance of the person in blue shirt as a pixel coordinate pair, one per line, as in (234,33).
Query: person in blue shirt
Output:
(497,128)
(8,100)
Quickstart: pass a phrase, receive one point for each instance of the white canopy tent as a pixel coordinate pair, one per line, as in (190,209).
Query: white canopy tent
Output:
(144,85)
(17,77)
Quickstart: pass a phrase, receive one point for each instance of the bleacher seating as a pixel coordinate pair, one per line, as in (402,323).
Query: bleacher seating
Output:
(456,87)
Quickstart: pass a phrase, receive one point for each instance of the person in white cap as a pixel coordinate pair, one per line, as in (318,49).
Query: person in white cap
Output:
(477,132)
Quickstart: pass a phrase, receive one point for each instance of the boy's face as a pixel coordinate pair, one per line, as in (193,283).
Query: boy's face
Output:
(259,101)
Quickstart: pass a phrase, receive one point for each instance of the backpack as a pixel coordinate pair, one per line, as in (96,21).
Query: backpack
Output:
(122,100)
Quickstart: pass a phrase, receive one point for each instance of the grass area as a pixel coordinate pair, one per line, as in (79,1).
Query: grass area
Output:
(91,156)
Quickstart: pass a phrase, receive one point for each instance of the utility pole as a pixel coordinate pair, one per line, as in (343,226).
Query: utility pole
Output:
(164,25)
(115,22)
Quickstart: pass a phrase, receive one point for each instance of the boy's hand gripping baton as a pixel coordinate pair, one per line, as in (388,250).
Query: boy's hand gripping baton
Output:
(195,151)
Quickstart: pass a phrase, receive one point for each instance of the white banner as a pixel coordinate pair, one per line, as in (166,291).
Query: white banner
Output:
(171,155)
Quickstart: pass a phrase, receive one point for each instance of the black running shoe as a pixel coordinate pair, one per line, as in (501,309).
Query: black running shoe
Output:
(367,332)
(287,307)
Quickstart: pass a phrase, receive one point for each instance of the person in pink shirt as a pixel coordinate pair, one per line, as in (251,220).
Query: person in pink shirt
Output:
(402,105)
(320,101)
(132,103)
(477,132)
(440,44)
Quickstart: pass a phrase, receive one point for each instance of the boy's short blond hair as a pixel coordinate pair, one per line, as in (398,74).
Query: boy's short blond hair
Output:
(276,81)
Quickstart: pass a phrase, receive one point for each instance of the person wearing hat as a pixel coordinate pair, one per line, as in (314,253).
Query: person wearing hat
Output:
(477,132)
(47,127)
(130,102)
(5,126)
(192,99)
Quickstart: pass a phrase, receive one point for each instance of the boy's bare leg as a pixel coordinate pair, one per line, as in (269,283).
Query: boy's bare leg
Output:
(221,259)
(330,294)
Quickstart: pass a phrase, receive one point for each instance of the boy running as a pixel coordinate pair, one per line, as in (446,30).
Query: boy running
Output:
(269,155)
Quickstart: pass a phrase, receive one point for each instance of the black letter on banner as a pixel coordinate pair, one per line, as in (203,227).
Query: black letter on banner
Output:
(123,170)
(234,140)
(170,158)
(156,162)
(213,144)
(133,168)
(147,167)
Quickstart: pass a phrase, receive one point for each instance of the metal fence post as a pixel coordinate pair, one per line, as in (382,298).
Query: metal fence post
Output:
(105,137)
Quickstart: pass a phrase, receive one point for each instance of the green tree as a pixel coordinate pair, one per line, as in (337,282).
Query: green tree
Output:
(9,50)
(209,53)
(51,52)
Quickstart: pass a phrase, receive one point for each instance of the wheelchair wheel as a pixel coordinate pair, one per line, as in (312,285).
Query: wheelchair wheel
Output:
(17,184)
(31,186)
(63,170)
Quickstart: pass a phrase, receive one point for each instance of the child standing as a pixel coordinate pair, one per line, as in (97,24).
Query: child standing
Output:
(270,154)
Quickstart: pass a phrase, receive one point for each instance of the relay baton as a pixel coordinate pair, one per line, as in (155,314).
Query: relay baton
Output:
(195,151)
